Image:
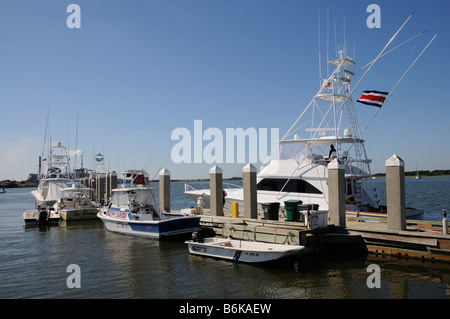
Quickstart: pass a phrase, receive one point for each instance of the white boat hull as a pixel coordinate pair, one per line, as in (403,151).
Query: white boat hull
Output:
(242,251)
(169,226)
(33,218)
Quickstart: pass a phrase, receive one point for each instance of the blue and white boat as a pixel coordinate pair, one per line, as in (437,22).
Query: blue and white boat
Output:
(134,210)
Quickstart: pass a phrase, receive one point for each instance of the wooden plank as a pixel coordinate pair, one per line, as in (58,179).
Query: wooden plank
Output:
(432,242)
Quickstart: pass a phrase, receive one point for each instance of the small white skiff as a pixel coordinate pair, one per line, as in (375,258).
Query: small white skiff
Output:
(241,250)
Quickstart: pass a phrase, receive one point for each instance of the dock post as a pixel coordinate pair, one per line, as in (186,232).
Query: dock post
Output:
(250,198)
(216,190)
(111,183)
(235,210)
(444,222)
(164,190)
(395,193)
(336,193)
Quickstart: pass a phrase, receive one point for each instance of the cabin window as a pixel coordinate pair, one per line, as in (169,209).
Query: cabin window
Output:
(293,186)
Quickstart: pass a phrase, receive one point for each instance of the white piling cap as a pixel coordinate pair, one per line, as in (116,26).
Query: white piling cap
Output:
(164,172)
(215,170)
(249,168)
(334,164)
(394,160)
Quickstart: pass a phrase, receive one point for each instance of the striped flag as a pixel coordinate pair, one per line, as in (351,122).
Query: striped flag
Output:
(375,98)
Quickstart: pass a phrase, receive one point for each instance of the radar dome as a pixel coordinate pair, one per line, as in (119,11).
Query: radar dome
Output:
(347,132)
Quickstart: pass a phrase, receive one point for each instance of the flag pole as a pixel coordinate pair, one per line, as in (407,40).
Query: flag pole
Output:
(404,74)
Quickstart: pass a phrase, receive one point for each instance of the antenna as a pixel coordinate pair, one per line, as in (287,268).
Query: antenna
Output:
(345,44)
(76,147)
(328,41)
(335,40)
(320,64)
(45,133)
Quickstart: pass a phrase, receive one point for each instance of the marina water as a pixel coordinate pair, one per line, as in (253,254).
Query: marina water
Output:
(34,261)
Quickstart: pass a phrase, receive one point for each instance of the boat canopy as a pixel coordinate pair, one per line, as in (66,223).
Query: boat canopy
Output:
(341,62)
(332,97)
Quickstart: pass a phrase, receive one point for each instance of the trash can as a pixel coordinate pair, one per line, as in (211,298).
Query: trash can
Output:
(271,210)
(302,209)
(292,210)
(313,206)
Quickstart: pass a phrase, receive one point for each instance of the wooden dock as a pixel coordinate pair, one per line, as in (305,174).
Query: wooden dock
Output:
(422,240)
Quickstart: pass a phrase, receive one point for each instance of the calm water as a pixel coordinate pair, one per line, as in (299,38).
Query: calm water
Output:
(34,261)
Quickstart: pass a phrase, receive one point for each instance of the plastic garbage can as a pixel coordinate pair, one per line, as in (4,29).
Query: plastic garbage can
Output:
(302,209)
(292,210)
(271,210)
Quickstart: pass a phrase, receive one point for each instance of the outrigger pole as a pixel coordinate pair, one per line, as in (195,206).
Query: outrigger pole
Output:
(404,74)
(401,44)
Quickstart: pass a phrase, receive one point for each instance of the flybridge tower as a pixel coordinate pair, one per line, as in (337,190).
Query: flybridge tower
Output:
(331,120)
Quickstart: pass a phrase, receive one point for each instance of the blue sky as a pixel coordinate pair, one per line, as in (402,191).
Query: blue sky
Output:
(136,70)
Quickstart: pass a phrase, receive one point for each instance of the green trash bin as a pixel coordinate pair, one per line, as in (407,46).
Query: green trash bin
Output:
(291,209)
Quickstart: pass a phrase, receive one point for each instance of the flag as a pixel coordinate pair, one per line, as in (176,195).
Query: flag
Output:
(375,98)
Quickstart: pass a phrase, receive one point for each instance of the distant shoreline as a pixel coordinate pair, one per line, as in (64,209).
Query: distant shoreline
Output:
(22,184)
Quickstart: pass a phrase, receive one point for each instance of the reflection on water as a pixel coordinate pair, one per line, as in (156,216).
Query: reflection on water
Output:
(34,265)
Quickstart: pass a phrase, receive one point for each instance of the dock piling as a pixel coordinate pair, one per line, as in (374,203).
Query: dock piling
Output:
(444,222)
(395,193)
(250,195)
(336,193)
(216,190)
(111,183)
(164,190)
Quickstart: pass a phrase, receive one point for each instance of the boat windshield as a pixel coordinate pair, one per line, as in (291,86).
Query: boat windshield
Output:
(139,197)
(143,198)
(120,199)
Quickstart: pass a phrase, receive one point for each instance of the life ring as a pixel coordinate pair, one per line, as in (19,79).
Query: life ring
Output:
(197,210)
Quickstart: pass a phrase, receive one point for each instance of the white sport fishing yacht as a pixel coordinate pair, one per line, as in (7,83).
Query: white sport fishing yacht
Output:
(330,130)
(55,177)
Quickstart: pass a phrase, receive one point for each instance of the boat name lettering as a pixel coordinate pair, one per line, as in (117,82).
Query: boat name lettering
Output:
(198,248)
(117,214)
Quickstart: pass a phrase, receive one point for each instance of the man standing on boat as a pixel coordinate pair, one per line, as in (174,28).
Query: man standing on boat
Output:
(332,150)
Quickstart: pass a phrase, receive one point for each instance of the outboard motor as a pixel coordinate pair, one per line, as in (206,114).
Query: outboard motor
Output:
(43,216)
(196,237)
(200,235)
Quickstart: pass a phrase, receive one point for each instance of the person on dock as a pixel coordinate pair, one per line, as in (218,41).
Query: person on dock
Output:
(224,195)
